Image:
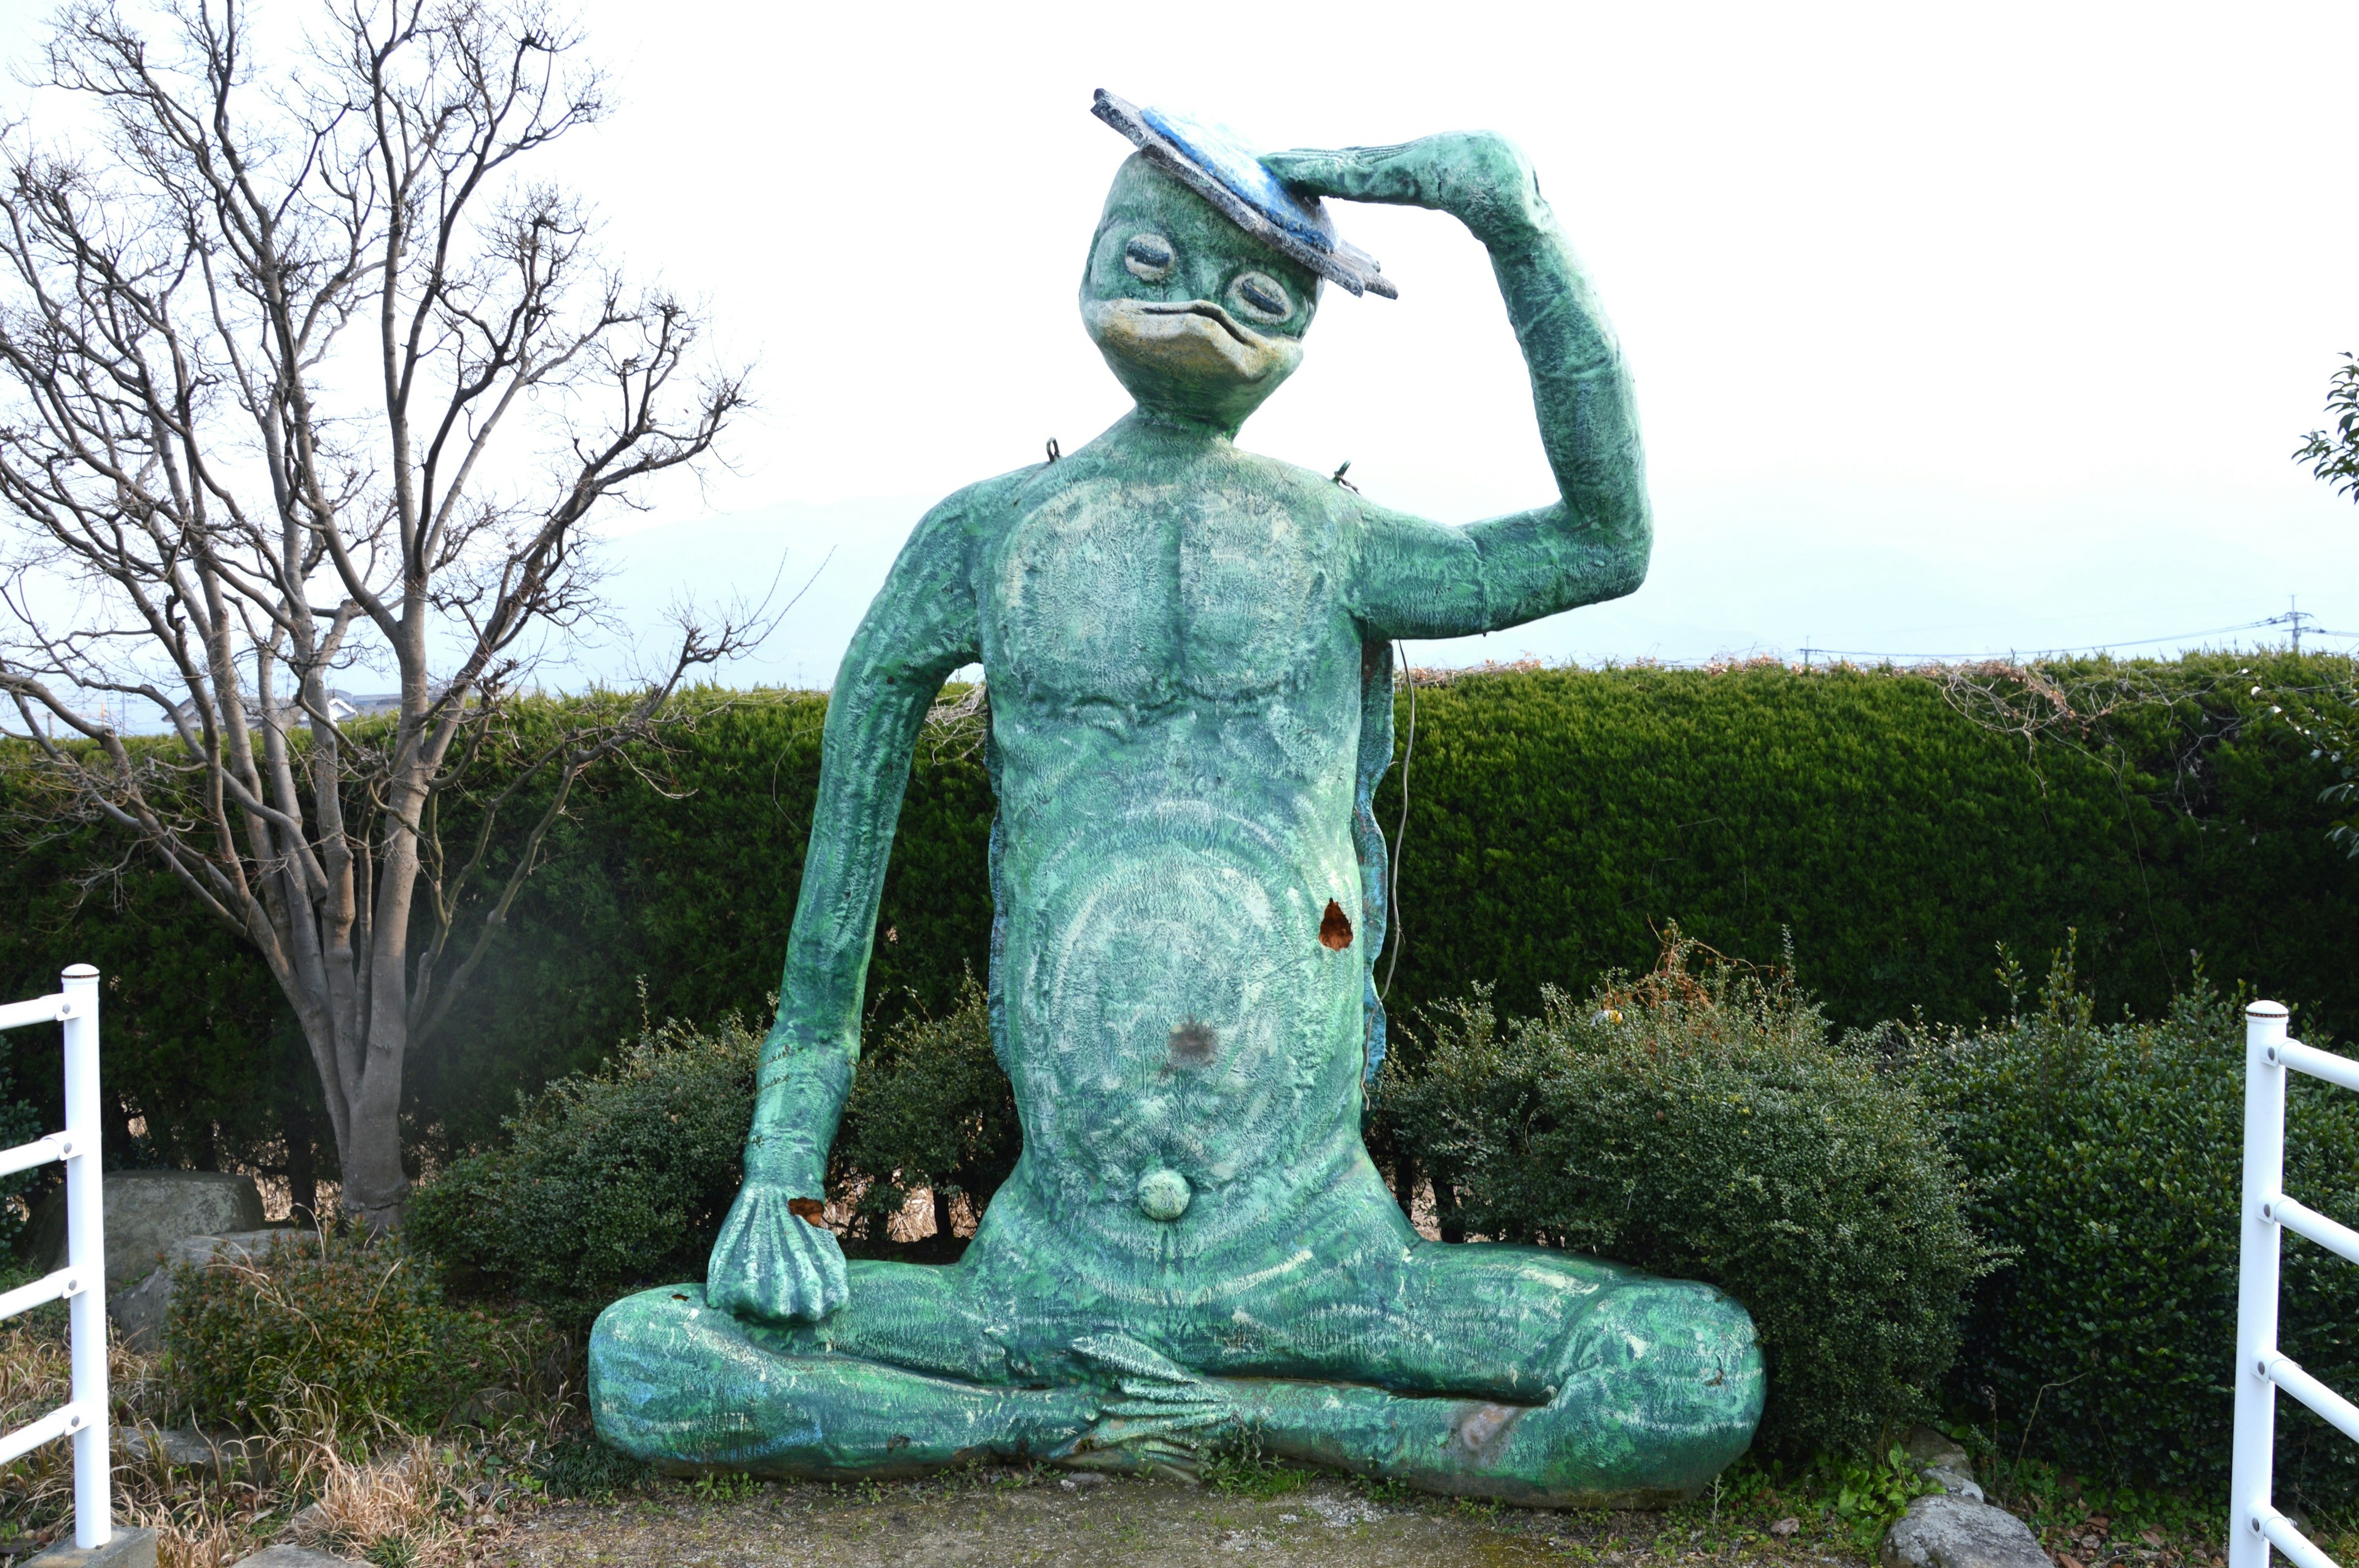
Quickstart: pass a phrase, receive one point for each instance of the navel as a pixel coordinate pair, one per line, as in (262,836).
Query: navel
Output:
(1163,1194)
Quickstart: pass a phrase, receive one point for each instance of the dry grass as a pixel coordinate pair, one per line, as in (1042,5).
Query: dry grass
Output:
(390,1498)
(193,1532)
(408,1506)
(36,1377)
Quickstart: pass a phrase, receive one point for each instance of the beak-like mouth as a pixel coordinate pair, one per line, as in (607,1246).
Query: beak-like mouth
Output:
(1188,341)
(1235,328)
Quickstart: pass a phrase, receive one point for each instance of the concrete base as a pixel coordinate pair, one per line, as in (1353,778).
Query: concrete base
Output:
(127,1548)
(292,1557)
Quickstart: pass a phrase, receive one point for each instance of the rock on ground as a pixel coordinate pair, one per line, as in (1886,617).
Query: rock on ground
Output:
(1936,1450)
(143,1309)
(1954,1531)
(185,1448)
(146,1211)
(1941,1461)
(140,1311)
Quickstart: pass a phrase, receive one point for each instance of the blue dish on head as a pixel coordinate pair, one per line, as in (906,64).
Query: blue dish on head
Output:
(1214,163)
(1217,150)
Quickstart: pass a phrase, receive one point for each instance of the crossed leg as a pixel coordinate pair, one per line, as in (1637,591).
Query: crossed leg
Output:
(1507,1372)
(903,1378)
(1640,1395)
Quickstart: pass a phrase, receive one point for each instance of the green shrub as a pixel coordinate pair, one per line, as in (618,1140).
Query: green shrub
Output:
(20,1123)
(929,1107)
(2106,1158)
(333,1329)
(621,1179)
(1700,1123)
(607,1182)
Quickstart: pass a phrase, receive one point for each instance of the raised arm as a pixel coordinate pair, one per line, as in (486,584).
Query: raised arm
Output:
(768,1261)
(1417,579)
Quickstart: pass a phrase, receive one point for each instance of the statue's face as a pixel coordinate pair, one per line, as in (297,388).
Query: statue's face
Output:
(1194,316)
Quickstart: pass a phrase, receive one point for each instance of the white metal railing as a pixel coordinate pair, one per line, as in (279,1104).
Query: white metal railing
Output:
(82,1282)
(2254,1523)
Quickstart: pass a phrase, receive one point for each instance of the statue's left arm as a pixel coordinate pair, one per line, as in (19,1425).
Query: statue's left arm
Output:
(768,1261)
(1417,579)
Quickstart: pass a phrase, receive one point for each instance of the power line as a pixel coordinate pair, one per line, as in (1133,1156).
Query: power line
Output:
(2300,621)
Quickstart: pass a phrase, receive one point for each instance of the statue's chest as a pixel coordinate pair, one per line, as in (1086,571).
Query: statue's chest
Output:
(1133,593)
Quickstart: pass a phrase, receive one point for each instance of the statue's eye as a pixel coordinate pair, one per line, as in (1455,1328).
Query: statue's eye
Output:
(1260,296)
(1148,257)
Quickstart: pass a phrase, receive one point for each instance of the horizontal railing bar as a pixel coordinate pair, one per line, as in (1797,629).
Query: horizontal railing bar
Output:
(2304,1220)
(2281,1532)
(48,1288)
(39,1152)
(2282,1535)
(25,1439)
(40,1010)
(2319,1064)
(2287,1374)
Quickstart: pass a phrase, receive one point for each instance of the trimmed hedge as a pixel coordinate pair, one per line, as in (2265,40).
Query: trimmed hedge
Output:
(1558,819)
(198,1043)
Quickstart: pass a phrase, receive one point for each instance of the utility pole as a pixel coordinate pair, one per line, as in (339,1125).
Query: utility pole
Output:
(2294,618)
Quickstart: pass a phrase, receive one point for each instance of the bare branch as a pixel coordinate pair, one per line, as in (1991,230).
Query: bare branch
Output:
(205,524)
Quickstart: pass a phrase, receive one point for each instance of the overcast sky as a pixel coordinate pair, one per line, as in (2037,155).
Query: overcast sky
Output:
(1956,329)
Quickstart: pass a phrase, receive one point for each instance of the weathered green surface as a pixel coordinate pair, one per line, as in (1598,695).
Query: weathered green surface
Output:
(1188,650)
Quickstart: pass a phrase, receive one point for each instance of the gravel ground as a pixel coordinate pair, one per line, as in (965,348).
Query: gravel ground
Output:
(1051,1522)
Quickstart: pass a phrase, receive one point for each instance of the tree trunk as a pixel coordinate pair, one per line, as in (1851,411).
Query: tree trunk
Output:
(374,1183)
(302,1171)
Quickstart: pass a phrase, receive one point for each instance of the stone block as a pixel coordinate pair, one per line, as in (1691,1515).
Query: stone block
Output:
(140,1311)
(283,1556)
(146,1211)
(1953,1531)
(185,1448)
(1953,1482)
(1934,1449)
(127,1548)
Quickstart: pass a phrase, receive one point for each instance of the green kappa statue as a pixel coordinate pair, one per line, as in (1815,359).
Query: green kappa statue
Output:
(1188,656)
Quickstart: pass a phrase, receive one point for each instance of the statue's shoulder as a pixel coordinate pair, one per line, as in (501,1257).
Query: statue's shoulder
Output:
(974,512)
(1304,490)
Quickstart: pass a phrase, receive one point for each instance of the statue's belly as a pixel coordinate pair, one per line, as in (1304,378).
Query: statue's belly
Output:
(1171,1011)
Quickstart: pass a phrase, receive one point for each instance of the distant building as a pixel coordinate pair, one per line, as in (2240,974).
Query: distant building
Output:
(343,708)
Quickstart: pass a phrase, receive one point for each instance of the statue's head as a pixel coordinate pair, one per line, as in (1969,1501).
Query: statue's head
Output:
(1196,316)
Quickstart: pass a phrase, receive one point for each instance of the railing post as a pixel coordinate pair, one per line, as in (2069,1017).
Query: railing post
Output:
(2256,1287)
(86,1256)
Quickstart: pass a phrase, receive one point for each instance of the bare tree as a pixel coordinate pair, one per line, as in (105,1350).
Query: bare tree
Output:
(296,370)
